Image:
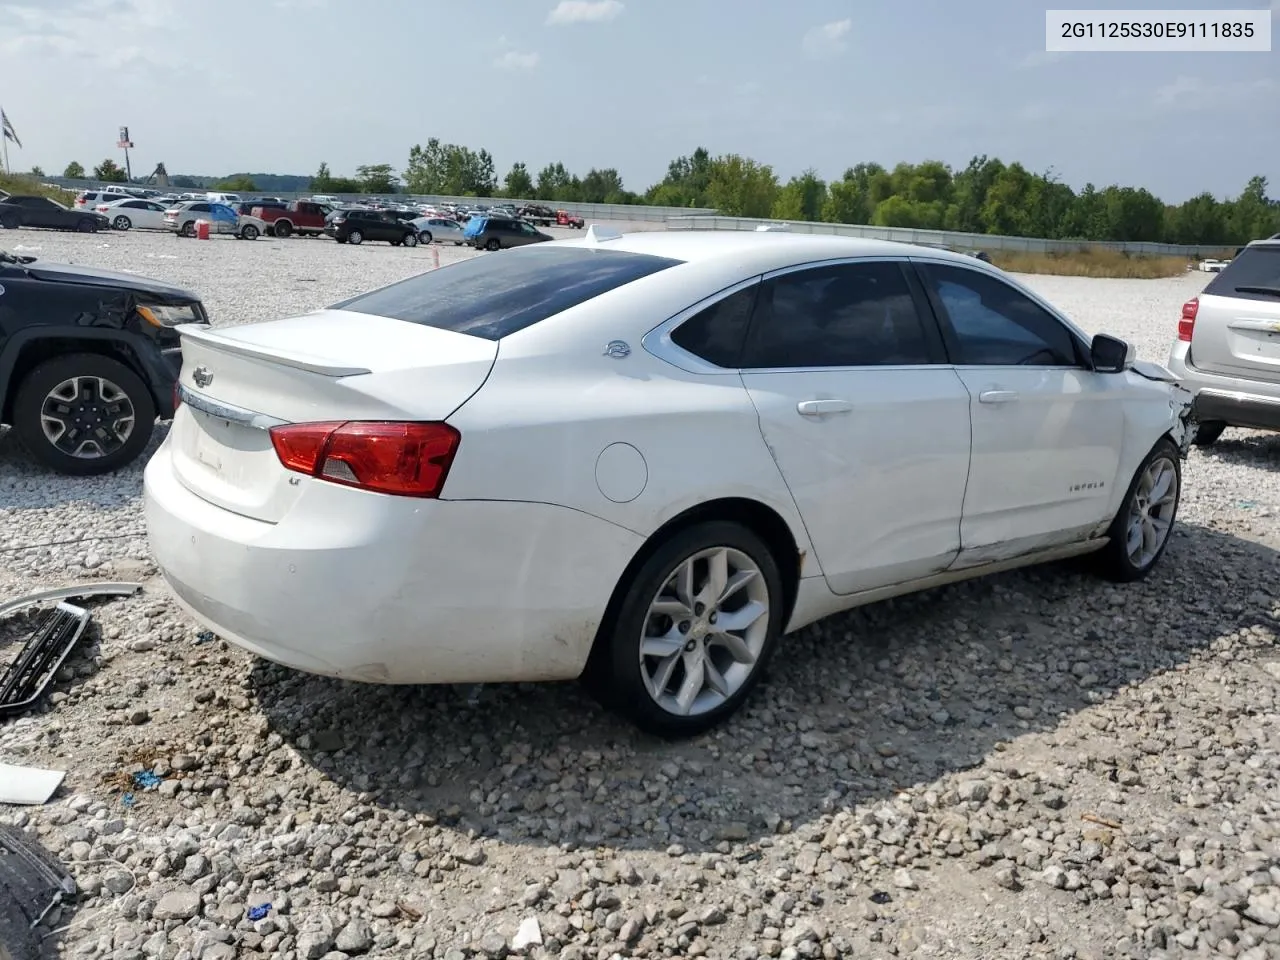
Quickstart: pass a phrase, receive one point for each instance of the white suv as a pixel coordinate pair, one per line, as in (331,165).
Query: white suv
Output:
(1228,347)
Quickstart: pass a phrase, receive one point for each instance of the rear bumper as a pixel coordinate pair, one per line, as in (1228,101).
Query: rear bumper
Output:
(1236,401)
(391,590)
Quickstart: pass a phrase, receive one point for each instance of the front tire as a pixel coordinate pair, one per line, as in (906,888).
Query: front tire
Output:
(410,239)
(87,226)
(1143,525)
(83,414)
(250,232)
(283,228)
(10,221)
(693,630)
(1207,433)
(356,237)
(492,244)
(122,222)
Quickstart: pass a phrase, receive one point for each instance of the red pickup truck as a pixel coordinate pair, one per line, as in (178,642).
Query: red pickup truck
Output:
(303,217)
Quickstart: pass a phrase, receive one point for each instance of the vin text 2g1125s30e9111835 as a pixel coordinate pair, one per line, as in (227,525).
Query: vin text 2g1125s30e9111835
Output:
(642,459)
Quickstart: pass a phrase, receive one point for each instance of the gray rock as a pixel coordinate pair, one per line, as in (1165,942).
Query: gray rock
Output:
(355,937)
(180,904)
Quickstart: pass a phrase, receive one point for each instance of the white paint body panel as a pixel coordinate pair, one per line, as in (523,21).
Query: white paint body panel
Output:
(571,459)
(880,486)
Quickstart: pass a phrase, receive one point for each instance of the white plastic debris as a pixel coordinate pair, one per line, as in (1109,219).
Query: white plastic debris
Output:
(529,935)
(30,786)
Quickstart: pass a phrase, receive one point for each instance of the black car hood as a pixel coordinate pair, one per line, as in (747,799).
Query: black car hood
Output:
(91,276)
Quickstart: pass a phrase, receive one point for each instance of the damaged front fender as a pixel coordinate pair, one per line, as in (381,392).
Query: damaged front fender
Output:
(1181,405)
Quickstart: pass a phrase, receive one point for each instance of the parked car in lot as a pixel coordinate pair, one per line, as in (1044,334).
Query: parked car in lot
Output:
(438,229)
(130,212)
(222,219)
(358,492)
(302,217)
(88,360)
(1228,347)
(25,211)
(500,233)
(357,226)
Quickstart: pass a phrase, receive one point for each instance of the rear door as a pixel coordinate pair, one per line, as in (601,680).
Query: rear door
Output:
(1237,328)
(867,423)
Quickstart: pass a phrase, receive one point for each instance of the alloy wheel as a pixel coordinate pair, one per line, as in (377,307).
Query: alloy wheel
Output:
(1151,512)
(87,417)
(705,631)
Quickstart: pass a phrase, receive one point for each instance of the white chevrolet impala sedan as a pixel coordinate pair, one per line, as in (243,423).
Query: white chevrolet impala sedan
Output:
(643,459)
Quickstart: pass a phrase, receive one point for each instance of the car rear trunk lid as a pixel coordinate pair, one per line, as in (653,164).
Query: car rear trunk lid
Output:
(336,365)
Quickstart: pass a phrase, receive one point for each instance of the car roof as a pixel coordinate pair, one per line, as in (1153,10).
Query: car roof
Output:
(760,252)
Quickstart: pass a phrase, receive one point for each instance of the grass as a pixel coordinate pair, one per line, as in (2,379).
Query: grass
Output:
(1091,263)
(22,185)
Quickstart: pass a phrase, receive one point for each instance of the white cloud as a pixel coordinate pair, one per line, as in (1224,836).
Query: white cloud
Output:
(115,34)
(828,40)
(1193,93)
(515,60)
(585,11)
(1039,58)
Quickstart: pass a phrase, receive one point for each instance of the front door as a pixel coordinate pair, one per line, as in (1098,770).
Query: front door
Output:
(868,425)
(1047,430)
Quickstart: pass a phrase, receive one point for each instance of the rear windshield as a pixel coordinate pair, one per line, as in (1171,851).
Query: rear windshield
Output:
(1253,275)
(497,294)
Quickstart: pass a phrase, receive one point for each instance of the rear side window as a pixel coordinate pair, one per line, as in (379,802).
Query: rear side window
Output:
(717,333)
(1253,275)
(496,296)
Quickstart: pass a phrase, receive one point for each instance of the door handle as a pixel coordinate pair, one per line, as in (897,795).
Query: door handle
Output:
(816,408)
(997,396)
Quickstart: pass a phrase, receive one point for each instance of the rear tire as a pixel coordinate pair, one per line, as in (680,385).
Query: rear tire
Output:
(188,229)
(424,236)
(83,414)
(729,665)
(87,226)
(250,232)
(356,237)
(1207,433)
(492,244)
(410,239)
(283,228)
(1143,525)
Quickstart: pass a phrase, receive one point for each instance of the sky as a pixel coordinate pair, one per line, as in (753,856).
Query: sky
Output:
(278,86)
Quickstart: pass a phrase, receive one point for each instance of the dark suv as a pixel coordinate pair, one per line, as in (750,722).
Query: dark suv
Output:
(498,233)
(357,226)
(88,360)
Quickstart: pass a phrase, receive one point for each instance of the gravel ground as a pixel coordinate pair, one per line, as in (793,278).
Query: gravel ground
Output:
(1036,764)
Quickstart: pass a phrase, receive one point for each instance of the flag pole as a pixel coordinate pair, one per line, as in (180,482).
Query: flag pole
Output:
(4,135)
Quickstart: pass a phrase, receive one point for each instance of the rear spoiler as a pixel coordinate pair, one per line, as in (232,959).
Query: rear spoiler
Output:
(299,361)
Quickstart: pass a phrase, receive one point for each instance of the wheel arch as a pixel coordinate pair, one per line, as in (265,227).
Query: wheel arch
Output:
(758,517)
(23,354)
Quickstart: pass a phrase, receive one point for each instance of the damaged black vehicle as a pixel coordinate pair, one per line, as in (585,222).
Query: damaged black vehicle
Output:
(88,360)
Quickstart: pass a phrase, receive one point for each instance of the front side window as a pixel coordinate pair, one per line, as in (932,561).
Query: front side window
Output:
(996,325)
(843,315)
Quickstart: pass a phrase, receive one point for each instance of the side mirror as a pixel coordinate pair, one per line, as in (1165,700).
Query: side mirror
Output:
(1111,354)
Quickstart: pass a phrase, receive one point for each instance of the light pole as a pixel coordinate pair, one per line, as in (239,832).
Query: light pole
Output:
(124,143)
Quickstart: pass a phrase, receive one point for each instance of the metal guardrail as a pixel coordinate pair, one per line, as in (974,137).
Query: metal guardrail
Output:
(944,238)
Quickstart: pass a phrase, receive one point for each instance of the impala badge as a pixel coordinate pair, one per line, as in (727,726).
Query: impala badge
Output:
(202,376)
(617,349)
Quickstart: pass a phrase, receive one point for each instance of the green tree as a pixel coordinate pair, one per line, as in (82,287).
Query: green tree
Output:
(322,181)
(556,183)
(518,184)
(109,172)
(376,178)
(237,183)
(803,198)
(1202,219)
(37,171)
(601,186)
(184,182)
(74,171)
(448,169)
(685,184)
(740,187)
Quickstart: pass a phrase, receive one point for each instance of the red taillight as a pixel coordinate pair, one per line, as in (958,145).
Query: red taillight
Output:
(1187,325)
(405,459)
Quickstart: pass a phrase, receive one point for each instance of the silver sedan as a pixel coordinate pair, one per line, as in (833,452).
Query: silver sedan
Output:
(439,229)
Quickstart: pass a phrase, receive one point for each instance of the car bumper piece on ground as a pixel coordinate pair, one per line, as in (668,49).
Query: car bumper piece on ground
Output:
(384,589)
